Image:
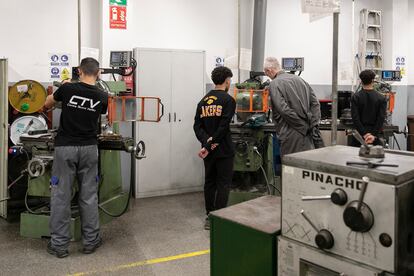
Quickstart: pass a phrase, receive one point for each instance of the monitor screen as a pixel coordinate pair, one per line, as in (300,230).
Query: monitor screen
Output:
(289,63)
(386,74)
(116,57)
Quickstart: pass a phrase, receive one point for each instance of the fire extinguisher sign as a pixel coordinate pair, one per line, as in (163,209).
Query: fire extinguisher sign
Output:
(117,14)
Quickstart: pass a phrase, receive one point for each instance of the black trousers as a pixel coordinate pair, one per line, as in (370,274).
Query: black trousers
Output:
(218,179)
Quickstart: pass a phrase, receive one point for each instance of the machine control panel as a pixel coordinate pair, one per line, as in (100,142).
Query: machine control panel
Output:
(293,64)
(391,75)
(340,214)
(120,58)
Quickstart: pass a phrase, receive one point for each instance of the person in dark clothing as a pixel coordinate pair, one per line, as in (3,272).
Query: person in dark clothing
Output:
(212,128)
(368,109)
(76,157)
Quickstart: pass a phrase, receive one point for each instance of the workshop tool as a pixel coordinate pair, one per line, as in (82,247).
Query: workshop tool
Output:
(368,151)
(370,164)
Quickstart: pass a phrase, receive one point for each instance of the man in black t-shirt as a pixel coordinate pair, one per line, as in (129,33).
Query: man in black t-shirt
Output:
(212,128)
(76,157)
(368,109)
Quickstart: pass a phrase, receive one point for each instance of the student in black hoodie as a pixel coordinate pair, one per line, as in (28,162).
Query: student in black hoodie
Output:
(212,128)
(369,109)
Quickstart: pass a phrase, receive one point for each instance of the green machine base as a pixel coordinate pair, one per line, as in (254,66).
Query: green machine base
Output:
(37,225)
(111,198)
(236,197)
(244,238)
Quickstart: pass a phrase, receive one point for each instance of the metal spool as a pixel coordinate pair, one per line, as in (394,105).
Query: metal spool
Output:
(27,96)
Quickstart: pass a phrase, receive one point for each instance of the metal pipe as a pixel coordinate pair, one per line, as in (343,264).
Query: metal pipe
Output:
(3,135)
(334,124)
(79,31)
(259,33)
(238,39)
(353,46)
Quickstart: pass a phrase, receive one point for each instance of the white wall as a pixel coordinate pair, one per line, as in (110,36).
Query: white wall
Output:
(181,24)
(290,33)
(410,36)
(31,29)
(91,23)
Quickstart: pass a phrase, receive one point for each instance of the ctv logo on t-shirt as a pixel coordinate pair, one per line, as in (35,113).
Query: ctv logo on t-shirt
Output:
(83,103)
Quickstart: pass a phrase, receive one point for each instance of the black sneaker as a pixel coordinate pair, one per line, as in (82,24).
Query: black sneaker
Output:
(91,249)
(58,253)
(207,224)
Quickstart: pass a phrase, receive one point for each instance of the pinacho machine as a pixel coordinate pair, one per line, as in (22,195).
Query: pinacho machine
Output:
(32,144)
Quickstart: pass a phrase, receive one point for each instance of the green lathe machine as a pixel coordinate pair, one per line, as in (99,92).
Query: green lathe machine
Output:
(31,156)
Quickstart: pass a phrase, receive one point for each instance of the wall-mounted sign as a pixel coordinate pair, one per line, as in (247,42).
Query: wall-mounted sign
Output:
(59,66)
(117,2)
(400,64)
(117,14)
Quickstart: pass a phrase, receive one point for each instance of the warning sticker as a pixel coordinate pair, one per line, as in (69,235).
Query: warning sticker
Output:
(65,74)
(59,66)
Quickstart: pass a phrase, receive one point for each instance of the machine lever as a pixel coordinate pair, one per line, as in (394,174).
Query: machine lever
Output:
(365,180)
(371,164)
(302,212)
(324,238)
(308,198)
(360,139)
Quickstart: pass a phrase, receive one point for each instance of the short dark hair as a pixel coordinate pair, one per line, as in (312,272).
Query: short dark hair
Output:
(89,66)
(220,74)
(367,77)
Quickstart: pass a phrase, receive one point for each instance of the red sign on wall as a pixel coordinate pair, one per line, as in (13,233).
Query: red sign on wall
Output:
(117,17)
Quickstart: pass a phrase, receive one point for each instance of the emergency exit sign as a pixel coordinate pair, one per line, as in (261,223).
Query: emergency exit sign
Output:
(117,2)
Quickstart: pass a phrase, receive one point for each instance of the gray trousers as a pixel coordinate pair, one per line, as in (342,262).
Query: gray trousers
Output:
(70,163)
(293,142)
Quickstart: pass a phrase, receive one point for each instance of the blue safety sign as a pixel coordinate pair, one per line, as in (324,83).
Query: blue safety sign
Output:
(54,70)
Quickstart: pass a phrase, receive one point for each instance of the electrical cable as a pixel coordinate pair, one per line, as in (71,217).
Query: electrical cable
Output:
(113,75)
(396,141)
(30,210)
(128,200)
(265,176)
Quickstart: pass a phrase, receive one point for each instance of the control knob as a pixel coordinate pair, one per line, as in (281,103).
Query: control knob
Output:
(357,215)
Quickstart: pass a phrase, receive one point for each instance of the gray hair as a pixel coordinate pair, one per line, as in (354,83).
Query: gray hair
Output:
(271,62)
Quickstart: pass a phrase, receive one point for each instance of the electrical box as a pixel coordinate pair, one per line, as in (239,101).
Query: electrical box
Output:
(293,64)
(120,58)
(391,75)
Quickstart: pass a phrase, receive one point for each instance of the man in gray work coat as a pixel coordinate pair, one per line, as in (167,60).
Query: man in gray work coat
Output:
(296,110)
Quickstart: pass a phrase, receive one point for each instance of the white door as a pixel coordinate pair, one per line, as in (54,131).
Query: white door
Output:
(153,78)
(187,90)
